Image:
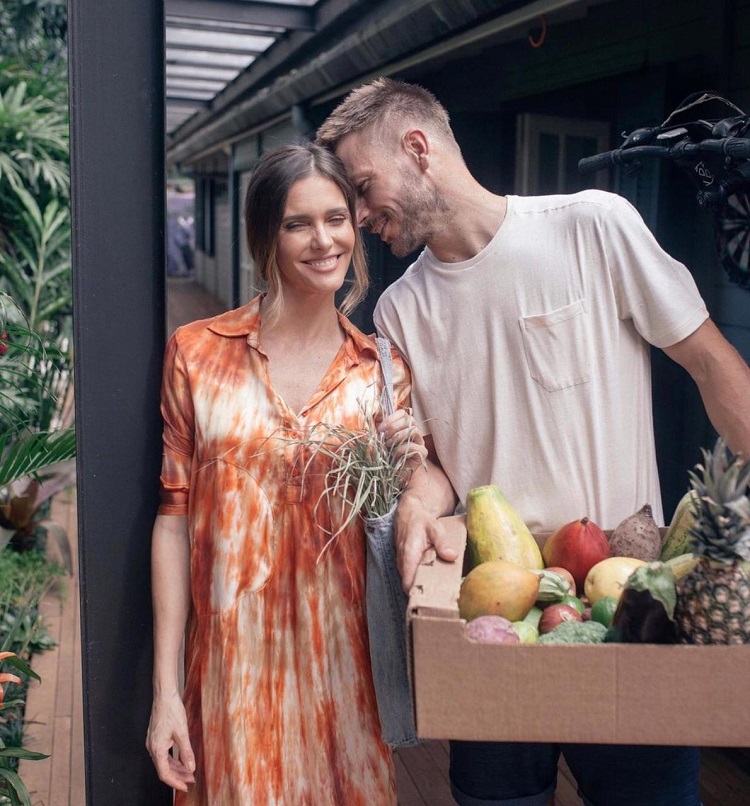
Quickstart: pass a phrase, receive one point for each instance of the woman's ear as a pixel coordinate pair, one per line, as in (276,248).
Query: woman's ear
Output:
(417,147)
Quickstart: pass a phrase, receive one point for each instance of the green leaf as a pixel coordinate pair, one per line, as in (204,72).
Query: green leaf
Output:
(22,666)
(17,787)
(22,752)
(31,453)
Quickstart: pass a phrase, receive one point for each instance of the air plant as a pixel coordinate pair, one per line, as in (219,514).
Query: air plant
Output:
(365,477)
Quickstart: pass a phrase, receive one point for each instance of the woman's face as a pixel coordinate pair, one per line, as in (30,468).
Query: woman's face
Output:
(316,238)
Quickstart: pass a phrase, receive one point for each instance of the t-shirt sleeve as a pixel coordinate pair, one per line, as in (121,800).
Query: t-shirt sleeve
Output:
(387,324)
(178,434)
(401,380)
(654,290)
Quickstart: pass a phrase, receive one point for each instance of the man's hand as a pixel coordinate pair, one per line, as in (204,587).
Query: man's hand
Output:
(416,531)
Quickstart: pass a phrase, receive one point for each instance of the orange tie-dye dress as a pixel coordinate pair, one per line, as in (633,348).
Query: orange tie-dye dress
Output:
(278,688)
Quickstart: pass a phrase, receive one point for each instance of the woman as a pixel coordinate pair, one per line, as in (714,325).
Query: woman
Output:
(278,703)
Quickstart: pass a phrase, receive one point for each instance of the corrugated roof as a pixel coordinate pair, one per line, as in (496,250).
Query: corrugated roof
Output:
(326,46)
(210,42)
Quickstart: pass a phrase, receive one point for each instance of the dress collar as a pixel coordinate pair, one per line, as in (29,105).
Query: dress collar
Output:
(245,321)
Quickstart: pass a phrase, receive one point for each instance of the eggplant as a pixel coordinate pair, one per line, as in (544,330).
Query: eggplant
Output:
(645,612)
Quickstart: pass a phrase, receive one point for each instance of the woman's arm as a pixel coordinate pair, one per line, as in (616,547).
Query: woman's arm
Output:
(170,574)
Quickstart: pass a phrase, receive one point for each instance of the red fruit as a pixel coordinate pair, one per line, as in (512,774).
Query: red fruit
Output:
(577,546)
(555,614)
(3,344)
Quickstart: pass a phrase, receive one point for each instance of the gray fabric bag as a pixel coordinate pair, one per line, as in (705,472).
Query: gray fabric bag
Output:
(386,605)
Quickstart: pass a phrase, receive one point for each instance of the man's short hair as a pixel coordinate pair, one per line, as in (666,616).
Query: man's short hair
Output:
(381,103)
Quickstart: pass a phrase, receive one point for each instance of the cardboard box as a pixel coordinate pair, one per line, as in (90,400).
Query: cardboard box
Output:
(608,694)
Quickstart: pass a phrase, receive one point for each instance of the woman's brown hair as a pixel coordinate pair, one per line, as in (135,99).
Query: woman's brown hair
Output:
(265,202)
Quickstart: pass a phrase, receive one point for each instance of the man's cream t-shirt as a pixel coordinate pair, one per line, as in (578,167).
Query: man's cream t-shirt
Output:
(530,361)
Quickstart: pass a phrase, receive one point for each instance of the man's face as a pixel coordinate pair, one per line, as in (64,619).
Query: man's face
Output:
(393,199)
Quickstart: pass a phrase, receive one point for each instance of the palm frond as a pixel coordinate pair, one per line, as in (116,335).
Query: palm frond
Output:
(30,454)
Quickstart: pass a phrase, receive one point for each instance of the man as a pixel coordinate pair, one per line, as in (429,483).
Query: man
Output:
(527,324)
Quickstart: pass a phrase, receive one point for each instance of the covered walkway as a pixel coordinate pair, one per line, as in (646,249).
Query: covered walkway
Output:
(55,705)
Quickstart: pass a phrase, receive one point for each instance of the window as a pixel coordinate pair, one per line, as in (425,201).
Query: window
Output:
(548,149)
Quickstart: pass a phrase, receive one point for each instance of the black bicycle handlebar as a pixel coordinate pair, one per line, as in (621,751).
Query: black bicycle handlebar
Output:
(618,156)
(734,147)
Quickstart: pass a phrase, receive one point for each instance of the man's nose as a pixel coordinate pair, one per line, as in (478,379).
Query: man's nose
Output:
(363,212)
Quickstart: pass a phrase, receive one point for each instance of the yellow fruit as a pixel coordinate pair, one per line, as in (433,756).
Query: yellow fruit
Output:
(495,531)
(498,588)
(608,577)
(678,541)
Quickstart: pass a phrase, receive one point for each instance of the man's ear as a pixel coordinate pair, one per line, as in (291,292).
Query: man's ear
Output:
(416,145)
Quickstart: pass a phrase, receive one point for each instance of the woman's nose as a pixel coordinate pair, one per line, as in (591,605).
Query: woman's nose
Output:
(321,237)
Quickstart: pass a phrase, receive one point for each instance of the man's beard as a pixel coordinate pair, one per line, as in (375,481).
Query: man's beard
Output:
(421,206)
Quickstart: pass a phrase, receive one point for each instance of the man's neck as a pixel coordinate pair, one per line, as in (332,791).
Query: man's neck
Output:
(472,222)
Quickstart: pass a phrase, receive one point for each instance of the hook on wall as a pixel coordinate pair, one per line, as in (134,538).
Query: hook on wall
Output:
(537,43)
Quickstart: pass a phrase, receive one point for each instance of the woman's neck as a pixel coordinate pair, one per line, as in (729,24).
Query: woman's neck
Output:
(308,319)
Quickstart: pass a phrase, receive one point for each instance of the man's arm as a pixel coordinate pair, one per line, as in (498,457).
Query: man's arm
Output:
(723,379)
(428,496)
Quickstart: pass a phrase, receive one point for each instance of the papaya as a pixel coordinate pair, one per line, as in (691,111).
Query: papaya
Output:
(495,531)
(678,539)
(498,588)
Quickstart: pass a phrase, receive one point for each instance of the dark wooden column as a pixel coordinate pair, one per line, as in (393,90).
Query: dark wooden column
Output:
(117,162)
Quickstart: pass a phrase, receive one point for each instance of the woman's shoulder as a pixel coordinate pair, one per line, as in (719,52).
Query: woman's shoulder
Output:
(236,322)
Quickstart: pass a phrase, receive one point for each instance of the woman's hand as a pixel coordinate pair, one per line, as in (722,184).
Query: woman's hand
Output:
(401,435)
(166,730)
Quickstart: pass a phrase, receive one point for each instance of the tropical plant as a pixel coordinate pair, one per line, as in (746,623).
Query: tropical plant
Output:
(37,445)
(36,268)
(12,789)
(34,132)
(34,29)
(24,579)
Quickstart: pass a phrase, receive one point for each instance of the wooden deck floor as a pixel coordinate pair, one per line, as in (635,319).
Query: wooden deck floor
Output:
(55,705)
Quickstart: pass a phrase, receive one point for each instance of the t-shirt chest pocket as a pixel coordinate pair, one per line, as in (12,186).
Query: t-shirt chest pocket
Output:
(558,347)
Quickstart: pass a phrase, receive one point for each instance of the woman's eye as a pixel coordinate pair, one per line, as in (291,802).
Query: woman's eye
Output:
(338,220)
(294,225)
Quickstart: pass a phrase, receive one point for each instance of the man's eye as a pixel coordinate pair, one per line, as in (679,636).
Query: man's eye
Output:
(362,189)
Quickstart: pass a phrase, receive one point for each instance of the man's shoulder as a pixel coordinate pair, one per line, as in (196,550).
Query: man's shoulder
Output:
(403,286)
(590,202)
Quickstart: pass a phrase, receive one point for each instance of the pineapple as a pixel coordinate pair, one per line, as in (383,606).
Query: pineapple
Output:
(713,600)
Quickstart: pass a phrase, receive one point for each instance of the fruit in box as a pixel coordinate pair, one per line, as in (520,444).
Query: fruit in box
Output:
(608,577)
(678,539)
(498,588)
(645,612)
(555,615)
(492,630)
(495,530)
(713,600)
(637,536)
(576,546)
